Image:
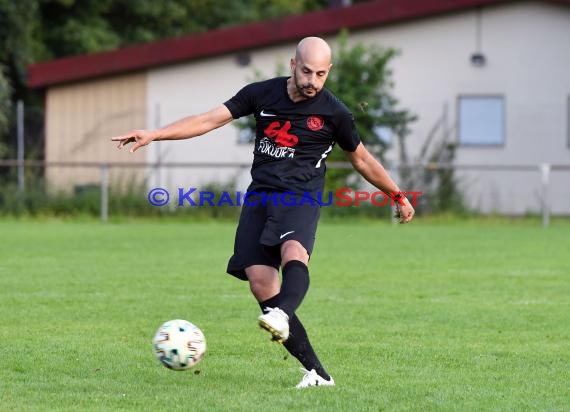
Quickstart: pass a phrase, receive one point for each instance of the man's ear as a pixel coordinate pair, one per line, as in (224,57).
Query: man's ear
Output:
(292,64)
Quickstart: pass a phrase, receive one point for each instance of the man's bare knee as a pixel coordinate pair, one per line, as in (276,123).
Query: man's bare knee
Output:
(293,250)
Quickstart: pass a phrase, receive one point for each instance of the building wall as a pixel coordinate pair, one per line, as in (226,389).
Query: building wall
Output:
(80,120)
(527,46)
(430,74)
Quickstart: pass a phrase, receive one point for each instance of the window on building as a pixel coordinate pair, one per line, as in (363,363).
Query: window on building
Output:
(481,121)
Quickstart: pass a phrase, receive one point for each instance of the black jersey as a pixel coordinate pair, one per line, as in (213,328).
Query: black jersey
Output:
(292,139)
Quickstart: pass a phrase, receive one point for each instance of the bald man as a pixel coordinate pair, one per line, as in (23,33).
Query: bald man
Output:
(298,123)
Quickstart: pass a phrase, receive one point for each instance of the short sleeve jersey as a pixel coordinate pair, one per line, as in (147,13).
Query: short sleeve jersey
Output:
(293,139)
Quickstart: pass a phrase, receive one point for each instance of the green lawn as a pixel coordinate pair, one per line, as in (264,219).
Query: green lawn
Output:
(429,316)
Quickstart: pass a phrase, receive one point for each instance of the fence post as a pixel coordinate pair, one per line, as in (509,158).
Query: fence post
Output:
(545,203)
(104,168)
(20,144)
(158,148)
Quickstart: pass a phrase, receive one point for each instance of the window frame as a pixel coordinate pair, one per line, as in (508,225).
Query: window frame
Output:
(503,125)
(568,122)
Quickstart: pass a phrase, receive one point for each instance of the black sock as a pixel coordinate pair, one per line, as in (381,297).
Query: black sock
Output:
(299,346)
(298,343)
(269,303)
(294,286)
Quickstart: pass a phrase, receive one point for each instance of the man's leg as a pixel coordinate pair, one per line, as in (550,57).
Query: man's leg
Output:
(264,284)
(294,260)
(263,281)
(298,343)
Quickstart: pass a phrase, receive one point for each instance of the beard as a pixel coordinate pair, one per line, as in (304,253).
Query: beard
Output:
(305,90)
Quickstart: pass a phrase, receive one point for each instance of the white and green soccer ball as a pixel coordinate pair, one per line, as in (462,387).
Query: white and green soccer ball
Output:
(179,344)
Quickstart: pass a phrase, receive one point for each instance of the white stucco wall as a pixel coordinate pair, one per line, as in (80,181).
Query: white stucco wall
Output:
(527,46)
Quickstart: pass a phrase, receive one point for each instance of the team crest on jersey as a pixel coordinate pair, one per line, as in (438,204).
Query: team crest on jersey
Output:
(315,123)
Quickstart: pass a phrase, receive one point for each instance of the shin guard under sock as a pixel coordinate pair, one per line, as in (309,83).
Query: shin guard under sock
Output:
(294,286)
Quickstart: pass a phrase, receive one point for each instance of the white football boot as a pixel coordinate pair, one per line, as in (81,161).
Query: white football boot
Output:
(276,322)
(311,378)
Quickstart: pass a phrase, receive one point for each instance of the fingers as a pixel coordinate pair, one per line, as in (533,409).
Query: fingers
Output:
(404,214)
(134,137)
(123,140)
(138,137)
(405,211)
(136,147)
(123,137)
(407,217)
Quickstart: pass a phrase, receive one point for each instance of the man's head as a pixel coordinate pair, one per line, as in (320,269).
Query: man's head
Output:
(311,65)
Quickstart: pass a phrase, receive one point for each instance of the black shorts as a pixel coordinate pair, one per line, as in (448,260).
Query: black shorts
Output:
(266,221)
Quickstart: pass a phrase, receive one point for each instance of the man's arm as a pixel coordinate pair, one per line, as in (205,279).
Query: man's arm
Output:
(374,172)
(185,128)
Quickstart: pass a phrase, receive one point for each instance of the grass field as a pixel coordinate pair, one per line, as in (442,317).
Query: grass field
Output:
(430,316)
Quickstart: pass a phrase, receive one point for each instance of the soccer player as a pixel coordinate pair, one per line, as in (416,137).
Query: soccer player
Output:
(298,123)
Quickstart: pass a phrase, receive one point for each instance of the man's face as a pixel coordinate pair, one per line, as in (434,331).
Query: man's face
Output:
(309,77)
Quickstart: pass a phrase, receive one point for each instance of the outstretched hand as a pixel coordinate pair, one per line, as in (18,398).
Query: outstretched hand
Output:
(140,138)
(404,211)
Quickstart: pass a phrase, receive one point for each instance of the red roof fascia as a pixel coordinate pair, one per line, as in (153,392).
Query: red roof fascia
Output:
(238,38)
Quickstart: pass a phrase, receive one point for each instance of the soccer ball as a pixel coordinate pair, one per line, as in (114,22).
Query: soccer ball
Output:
(179,344)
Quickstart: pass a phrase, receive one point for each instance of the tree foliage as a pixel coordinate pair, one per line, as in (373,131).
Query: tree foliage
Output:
(39,30)
(361,77)
(75,27)
(5,109)
(18,31)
